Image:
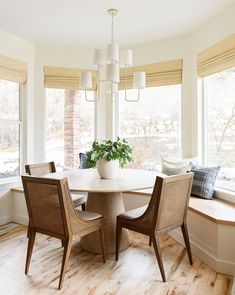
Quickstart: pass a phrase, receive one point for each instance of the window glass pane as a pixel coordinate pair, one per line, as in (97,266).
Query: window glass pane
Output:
(220,94)
(55,125)
(9,147)
(9,100)
(152,125)
(70,126)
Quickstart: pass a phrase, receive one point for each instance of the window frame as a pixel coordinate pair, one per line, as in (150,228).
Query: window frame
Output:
(203,136)
(18,122)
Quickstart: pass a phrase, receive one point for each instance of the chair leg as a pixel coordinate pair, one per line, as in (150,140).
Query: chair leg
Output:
(83,207)
(67,250)
(158,255)
(150,241)
(184,229)
(118,238)
(102,243)
(31,238)
(28,230)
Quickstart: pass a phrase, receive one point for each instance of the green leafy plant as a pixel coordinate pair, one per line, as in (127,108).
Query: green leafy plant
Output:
(110,150)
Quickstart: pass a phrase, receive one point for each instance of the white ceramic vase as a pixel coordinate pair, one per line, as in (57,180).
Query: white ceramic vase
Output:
(108,169)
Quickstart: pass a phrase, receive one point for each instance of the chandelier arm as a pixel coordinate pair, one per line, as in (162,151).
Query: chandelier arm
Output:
(90,100)
(133,100)
(126,83)
(98,84)
(112,91)
(112,30)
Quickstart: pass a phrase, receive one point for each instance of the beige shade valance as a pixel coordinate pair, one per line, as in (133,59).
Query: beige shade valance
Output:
(65,78)
(217,58)
(12,69)
(164,73)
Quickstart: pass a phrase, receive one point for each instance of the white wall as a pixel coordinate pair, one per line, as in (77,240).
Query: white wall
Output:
(5,205)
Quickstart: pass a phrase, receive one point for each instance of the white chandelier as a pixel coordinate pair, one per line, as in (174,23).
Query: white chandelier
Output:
(108,62)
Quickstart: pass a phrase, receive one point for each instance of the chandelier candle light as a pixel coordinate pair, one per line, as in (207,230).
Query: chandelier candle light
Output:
(108,59)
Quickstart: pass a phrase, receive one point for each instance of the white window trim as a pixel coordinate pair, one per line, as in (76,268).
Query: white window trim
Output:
(220,193)
(204,133)
(8,182)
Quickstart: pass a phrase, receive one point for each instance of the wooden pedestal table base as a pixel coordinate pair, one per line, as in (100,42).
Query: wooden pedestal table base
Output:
(109,205)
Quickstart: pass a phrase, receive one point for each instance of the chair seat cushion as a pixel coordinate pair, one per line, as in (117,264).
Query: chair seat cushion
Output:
(88,215)
(135,213)
(78,199)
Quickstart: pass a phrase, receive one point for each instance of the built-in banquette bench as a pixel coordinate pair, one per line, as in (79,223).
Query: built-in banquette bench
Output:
(211,226)
(216,210)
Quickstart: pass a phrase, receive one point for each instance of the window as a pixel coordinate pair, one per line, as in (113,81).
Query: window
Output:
(152,125)
(219,94)
(69,126)
(10,128)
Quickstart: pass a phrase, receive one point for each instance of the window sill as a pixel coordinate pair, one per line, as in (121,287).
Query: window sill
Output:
(9,183)
(225,195)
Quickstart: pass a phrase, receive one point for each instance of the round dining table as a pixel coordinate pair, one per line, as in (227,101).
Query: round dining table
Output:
(105,198)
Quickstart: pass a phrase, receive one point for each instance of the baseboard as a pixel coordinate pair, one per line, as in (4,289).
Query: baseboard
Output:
(221,266)
(233,287)
(5,219)
(21,219)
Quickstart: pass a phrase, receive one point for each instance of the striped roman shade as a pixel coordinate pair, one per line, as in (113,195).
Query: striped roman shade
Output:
(164,73)
(65,78)
(13,69)
(217,58)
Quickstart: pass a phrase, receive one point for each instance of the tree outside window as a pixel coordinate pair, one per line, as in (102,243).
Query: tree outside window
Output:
(220,113)
(10,128)
(152,125)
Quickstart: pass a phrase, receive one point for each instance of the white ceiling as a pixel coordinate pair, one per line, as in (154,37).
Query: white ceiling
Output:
(85,23)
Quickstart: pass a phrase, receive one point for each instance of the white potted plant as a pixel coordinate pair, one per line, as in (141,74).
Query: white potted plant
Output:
(107,156)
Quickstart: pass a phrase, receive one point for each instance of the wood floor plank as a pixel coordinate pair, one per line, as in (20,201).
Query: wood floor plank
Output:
(135,273)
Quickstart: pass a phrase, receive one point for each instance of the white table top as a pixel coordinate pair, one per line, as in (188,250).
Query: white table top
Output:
(88,180)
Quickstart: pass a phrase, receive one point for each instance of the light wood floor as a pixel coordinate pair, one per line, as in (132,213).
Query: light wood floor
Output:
(135,273)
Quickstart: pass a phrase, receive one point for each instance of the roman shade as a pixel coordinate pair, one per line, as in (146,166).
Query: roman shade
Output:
(65,78)
(12,69)
(217,58)
(164,73)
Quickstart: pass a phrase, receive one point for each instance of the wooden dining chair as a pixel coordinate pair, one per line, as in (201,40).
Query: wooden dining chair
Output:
(41,169)
(52,213)
(167,210)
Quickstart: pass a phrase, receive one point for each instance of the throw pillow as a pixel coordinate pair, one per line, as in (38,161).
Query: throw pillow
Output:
(204,181)
(83,161)
(173,167)
(169,169)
